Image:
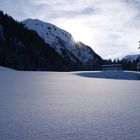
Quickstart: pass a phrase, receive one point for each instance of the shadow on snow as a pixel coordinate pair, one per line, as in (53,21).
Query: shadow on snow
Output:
(118,75)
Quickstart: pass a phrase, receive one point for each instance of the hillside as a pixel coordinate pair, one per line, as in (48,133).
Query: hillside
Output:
(64,44)
(23,49)
(37,45)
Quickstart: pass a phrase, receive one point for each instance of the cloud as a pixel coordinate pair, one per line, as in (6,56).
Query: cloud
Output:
(110,27)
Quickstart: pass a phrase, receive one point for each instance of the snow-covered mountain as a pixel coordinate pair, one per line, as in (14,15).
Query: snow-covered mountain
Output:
(64,44)
(132,58)
(23,49)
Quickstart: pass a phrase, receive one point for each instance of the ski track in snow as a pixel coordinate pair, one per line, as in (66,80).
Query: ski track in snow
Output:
(67,106)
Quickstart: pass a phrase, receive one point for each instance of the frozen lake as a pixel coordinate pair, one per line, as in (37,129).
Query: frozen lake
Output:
(69,106)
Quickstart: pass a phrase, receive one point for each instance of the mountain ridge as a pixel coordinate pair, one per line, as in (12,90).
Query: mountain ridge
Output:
(63,43)
(22,48)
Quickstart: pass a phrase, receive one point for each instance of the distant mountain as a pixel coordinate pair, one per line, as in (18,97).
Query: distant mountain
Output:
(63,43)
(130,62)
(132,58)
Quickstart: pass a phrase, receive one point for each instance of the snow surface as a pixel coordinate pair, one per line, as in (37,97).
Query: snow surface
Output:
(132,57)
(5,69)
(60,39)
(68,106)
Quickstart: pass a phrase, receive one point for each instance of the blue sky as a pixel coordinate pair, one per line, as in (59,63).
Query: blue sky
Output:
(110,27)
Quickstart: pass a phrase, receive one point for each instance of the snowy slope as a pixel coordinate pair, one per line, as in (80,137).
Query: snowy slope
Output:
(132,57)
(65,106)
(5,69)
(23,49)
(63,42)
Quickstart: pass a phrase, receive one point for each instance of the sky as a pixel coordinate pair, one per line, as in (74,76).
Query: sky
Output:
(110,27)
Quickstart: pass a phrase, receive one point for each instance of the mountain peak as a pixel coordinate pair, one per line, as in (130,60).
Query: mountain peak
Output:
(63,43)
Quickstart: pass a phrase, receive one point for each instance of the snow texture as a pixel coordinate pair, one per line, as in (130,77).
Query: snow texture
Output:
(61,40)
(68,106)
